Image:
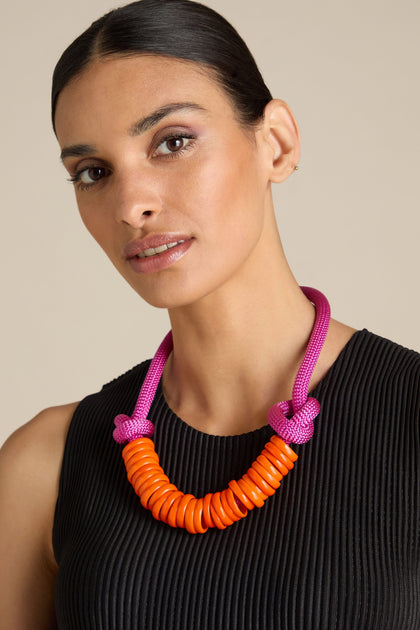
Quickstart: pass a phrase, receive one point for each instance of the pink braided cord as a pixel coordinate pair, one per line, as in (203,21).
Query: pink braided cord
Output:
(292,419)
(129,429)
(299,428)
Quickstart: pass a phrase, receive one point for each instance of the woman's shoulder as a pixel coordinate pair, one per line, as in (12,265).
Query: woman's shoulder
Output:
(373,367)
(386,355)
(30,465)
(38,440)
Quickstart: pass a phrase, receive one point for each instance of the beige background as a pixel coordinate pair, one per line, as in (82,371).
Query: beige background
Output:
(349,218)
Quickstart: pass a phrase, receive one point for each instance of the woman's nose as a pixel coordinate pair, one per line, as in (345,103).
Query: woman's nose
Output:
(137,201)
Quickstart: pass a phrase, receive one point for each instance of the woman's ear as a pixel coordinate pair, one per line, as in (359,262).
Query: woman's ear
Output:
(281,134)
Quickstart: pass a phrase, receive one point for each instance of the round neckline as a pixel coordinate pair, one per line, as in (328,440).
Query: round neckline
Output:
(266,428)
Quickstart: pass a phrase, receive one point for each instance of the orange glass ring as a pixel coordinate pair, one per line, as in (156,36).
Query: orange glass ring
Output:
(219,509)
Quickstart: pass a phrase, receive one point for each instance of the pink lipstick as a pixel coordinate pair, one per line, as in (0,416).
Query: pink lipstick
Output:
(156,252)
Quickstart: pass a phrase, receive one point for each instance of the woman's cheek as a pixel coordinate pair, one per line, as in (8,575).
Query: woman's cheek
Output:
(95,222)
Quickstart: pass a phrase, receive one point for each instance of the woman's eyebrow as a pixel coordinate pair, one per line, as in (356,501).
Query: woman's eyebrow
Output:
(77,150)
(139,127)
(144,124)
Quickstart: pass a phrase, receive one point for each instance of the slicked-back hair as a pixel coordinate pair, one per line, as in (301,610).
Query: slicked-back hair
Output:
(172,28)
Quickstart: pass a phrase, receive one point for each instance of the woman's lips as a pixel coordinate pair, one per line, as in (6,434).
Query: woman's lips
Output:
(156,252)
(152,251)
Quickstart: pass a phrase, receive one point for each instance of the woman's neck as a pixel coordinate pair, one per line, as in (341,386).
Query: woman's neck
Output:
(237,350)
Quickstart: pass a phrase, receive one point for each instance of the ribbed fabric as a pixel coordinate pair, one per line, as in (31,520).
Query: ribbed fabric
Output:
(336,547)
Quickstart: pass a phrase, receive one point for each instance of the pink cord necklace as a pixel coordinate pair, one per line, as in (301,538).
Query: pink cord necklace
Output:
(292,420)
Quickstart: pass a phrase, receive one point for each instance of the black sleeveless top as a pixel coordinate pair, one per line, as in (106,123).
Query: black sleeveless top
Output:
(336,547)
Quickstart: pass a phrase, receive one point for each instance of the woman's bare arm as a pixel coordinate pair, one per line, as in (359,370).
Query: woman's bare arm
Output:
(30,464)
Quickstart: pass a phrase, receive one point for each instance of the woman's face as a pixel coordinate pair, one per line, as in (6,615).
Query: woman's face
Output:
(167,181)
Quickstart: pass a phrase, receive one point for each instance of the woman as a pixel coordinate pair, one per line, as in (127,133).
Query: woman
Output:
(172,141)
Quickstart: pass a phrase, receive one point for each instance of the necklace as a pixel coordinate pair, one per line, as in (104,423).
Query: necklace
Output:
(292,420)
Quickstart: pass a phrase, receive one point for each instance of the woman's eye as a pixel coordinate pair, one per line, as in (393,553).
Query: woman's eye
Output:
(175,144)
(87,177)
(92,174)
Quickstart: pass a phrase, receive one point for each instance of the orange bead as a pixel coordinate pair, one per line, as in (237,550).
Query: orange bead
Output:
(276,462)
(182,506)
(289,452)
(134,471)
(158,498)
(273,448)
(268,467)
(217,507)
(240,494)
(142,471)
(136,459)
(166,505)
(207,516)
(137,443)
(234,515)
(143,460)
(173,511)
(260,482)
(138,449)
(189,516)
(138,446)
(146,492)
(237,508)
(218,523)
(282,457)
(199,524)
(252,491)
(267,471)
(146,479)
(149,478)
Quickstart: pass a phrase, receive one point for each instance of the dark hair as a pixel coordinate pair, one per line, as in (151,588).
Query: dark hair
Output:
(173,28)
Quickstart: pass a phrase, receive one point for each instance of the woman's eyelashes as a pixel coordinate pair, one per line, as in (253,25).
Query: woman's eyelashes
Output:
(169,147)
(174,145)
(88,176)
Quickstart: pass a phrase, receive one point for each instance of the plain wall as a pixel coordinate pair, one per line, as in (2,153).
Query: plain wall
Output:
(349,217)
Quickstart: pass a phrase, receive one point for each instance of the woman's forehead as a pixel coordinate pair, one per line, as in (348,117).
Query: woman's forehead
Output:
(119,86)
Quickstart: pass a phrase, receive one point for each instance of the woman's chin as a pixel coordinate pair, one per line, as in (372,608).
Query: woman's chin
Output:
(167,297)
